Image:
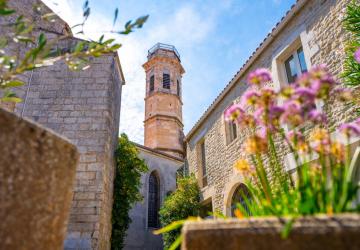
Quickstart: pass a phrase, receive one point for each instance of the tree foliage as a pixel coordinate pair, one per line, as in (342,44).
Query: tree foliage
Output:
(351,73)
(129,168)
(24,47)
(180,205)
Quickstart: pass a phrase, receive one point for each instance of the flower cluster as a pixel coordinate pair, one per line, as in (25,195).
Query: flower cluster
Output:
(351,129)
(259,76)
(324,163)
(266,111)
(298,101)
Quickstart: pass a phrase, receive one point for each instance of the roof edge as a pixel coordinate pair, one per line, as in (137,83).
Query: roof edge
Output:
(157,152)
(295,8)
(117,59)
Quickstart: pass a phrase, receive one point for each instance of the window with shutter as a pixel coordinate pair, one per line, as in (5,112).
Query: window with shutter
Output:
(166,81)
(203,164)
(178,87)
(152,82)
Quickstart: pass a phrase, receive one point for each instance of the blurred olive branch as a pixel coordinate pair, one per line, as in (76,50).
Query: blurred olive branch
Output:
(25,47)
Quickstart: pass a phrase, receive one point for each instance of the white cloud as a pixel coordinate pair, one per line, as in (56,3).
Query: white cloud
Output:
(189,25)
(185,28)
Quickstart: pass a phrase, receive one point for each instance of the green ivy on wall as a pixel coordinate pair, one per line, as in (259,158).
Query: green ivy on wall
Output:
(129,168)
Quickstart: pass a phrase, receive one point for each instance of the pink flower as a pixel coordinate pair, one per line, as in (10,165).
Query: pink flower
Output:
(267,96)
(295,136)
(318,71)
(304,80)
(234,113)
(321,81)
(275,111)
(343,94)
(262,132)
(250,97)
(350,129)
(357,55)
(259,115)
(304,95)
(292,113)
(316,116)
(259,76)
(357,121)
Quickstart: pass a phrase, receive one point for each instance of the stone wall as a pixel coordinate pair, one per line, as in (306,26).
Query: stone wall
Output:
(83,106)
(317,26)
(139,236)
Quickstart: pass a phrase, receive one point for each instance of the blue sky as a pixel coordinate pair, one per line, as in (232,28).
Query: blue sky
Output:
(213,37)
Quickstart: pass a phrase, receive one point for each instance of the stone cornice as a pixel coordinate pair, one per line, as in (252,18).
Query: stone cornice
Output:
(163,93)
(167,118)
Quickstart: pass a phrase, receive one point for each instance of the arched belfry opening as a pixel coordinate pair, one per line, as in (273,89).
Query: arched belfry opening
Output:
(153,200)
(238,196)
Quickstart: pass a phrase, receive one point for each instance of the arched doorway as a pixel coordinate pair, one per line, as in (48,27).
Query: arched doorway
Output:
(238,197)
(153,200)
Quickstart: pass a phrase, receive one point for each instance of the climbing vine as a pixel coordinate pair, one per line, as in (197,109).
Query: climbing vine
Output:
(129,168)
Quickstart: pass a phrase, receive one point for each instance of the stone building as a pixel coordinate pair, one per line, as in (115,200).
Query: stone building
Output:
(163,150)
(83,106)
(310,33)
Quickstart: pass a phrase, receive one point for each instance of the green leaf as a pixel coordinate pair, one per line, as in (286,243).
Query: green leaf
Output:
(287,228)
(42,39)
(12,84)
(172,226)
(86,10)
(115,15)
(3,42)
(5,12)
(128,25)
(25,39)
(79,47)
(115,47)
(141,20)
(11,99)
(101,39)
(176,243)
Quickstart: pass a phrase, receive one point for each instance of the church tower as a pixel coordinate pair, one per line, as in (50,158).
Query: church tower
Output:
(163,102)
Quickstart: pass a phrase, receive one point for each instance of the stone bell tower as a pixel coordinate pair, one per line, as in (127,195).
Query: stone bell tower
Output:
(163,105)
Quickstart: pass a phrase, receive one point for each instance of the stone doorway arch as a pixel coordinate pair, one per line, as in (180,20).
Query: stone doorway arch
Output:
(229,191)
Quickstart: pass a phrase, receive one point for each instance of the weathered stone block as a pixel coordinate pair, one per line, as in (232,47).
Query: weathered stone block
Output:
(37,170)
(310,233)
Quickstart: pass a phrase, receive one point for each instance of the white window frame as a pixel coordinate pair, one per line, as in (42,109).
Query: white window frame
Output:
(300,38)
(295,56)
